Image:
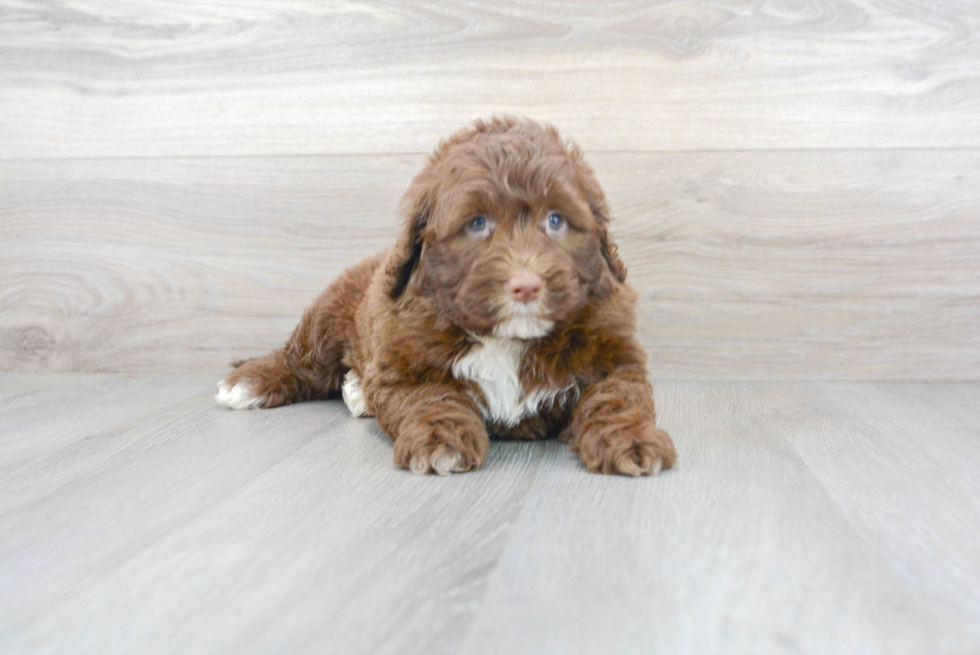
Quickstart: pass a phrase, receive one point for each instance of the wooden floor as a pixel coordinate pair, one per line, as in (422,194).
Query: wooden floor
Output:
(136,516)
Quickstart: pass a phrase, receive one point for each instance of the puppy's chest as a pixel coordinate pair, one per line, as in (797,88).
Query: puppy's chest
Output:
(494,365)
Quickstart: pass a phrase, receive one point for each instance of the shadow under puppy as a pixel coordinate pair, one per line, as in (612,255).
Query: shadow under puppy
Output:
(502,310)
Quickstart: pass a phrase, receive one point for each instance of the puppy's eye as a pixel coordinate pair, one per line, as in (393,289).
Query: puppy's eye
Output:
(555,224)
(480,226)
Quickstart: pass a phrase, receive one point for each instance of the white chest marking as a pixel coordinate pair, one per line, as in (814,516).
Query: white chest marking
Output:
(493,364)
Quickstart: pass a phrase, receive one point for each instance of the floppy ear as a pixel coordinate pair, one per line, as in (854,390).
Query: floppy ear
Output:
(416,205)
(600,211)
(606,245)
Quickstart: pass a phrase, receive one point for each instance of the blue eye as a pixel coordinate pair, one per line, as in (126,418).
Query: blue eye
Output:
(554,225)
(480,227)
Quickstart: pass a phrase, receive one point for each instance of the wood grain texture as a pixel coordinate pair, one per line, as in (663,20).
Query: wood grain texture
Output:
(99,78)
(41,456)
(219,531)
(921,441)
(835,264)
(741,549)
(825,517)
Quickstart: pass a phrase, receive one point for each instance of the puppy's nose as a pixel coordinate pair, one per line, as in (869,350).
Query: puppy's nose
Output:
(525,286)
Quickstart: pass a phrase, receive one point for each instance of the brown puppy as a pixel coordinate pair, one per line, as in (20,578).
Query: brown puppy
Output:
(501,311)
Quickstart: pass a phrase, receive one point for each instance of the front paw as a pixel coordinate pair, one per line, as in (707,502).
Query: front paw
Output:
(441,444)
(624,444)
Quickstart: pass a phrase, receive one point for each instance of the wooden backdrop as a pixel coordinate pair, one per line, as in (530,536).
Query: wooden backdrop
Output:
(795,183)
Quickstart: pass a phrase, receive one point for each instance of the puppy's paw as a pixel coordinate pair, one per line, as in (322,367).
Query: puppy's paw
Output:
(263,382)
(238,395)
(609,444)
(441,445)
(442,460)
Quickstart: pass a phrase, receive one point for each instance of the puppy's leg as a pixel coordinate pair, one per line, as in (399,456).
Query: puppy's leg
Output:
(308,367)
(267,382)
(311,364)
(437,428)
(614,428)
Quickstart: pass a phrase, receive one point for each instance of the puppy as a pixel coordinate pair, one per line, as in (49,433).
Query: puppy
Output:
(501,311)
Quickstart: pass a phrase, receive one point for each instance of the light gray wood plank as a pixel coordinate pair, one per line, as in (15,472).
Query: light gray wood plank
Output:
(900,459)
(96,78)
(738,550)
(96,416)
(111,253)
(222,531)
(750,264)
(783,528)
(399,563)
(842,264)
(167,471)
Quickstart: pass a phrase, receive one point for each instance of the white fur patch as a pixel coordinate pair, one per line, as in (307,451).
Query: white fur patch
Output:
(237,397)
(523,326)
(523,323)
(354,395)
(493,364)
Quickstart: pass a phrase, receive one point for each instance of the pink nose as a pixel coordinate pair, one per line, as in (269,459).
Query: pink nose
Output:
(525,287)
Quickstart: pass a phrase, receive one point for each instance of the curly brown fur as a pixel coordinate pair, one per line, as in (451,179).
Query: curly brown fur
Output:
(501,310)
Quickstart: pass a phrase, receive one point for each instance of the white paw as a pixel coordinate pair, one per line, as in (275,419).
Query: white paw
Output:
(237,397)
(354,396)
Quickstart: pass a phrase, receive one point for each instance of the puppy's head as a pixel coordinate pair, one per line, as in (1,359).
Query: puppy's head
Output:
(506,228)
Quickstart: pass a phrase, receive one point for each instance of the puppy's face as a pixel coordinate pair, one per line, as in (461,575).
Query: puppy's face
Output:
(506,230)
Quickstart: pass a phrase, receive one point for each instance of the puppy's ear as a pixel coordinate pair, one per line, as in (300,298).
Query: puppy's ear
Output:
(606,245)
(416,206)
(600,211)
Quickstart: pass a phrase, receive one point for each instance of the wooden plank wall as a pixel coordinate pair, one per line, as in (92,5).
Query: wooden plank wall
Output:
(795,183)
